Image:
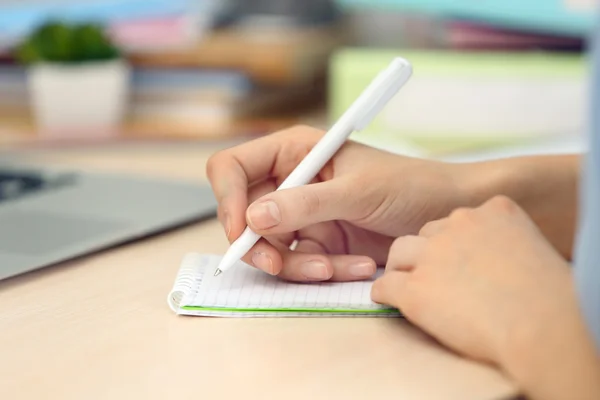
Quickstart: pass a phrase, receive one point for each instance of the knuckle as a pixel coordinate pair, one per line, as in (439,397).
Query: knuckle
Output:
(398,244)
(427,227)
(213,164)
(503,203)
(301,131)
(300,128)
(461,215)
(310,134)
(311,202)
(434,247)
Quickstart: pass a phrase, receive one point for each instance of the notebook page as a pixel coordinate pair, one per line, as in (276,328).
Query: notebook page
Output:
(246,289)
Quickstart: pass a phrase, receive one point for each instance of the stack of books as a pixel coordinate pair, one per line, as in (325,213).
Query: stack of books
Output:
(234,80)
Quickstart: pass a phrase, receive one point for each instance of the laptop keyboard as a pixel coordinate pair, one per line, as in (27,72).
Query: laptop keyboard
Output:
(16,184)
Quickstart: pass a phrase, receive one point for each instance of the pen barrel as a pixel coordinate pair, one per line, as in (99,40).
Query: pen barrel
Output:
(357,117)
(319,155)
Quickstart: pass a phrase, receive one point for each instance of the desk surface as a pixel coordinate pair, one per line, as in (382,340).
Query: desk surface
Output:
(99,328)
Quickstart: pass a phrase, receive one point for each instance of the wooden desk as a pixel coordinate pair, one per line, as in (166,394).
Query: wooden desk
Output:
(99,328)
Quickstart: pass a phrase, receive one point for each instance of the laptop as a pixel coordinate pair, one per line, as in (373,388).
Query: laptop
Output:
(48,216)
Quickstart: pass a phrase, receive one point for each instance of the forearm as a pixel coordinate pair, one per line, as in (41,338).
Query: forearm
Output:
(554,358)
(546,187)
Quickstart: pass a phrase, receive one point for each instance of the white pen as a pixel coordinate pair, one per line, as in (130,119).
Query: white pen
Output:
(360,114)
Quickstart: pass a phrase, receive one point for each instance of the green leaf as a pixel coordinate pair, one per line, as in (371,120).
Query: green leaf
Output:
(62,43)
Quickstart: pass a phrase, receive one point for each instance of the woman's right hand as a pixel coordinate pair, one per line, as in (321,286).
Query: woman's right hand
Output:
(344,222)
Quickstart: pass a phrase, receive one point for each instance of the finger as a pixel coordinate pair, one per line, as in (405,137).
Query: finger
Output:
(324,239)
(241,166)
(328,235)
(231,223)
(230,172)
(433,227)
(315,267)
(347,268)
(260,189)
(237,168)
(368,243)
(284,240)
(390,288)
(229,182)
(309,246)
(267,254)
(263,188)
(292,209)
(321,238)
(405,252)
(312,266)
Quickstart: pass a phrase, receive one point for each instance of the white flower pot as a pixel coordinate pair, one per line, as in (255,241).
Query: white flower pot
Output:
(79,100)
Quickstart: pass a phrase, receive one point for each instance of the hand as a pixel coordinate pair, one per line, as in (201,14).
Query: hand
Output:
(344,222)
(486,283)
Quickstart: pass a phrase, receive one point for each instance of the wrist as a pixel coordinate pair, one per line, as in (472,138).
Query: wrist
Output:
(483,180)
(557,361)
(548,350)
(545,187)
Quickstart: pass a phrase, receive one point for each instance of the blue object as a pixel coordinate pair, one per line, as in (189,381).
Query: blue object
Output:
(587,256)
(191,79)
(17,20)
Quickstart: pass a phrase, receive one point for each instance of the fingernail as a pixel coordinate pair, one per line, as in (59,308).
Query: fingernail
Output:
(263,261)
(362,269)
(264,215)
(314,270)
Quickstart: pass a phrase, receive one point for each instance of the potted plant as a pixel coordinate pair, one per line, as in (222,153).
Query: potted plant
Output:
(78,80)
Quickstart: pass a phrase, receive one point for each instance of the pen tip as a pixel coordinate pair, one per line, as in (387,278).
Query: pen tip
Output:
(218,272)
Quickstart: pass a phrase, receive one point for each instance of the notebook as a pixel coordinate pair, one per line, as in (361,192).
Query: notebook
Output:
(245,291)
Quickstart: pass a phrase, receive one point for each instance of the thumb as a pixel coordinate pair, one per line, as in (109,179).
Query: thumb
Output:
(292,209)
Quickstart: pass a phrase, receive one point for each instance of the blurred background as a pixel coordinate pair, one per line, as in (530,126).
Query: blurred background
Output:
(487,73)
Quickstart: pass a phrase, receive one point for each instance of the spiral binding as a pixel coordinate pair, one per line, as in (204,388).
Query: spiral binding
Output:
(188,279)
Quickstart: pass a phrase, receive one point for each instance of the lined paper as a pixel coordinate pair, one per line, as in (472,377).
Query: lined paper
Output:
(246,290)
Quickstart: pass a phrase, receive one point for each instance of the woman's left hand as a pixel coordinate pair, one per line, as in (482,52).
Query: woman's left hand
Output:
(480,281)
